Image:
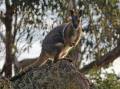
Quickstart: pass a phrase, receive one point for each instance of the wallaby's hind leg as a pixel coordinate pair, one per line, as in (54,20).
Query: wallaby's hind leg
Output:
(42,59)
(62,53)
(58,57)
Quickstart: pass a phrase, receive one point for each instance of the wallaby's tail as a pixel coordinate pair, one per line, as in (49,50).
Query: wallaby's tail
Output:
(26,62)
(42,59)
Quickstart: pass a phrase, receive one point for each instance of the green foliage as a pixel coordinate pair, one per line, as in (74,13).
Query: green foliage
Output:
(110,82)
(104,80)
(103,32)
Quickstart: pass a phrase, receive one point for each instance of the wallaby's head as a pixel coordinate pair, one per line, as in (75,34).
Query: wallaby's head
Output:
(74,29)
(75,17)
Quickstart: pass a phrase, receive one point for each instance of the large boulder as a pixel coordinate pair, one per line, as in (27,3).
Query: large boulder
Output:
(60,75)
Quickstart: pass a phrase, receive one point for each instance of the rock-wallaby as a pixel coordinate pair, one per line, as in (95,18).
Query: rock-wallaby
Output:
(60,41)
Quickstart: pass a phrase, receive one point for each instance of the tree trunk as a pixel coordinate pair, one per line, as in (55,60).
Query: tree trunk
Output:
(8,44)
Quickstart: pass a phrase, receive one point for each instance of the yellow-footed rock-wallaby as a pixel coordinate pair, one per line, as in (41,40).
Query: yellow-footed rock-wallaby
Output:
(60,41)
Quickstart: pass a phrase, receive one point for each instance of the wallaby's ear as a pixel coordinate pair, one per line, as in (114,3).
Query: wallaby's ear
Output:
(71,13)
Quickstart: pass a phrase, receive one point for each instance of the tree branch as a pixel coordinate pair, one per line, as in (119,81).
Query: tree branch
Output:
(104,60)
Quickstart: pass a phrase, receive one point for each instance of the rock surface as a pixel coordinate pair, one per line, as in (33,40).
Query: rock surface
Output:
(60,75)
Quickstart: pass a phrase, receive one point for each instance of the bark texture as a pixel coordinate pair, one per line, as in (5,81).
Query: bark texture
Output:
(60,75)
(8,44)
